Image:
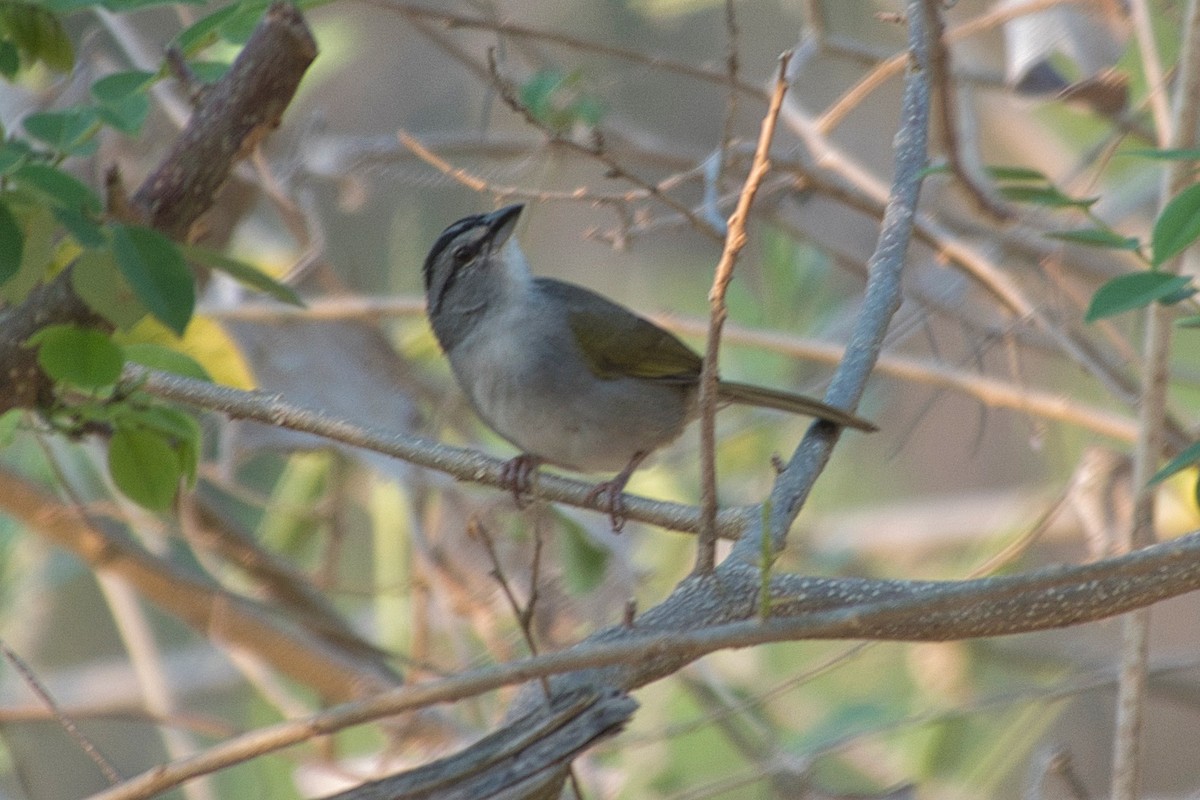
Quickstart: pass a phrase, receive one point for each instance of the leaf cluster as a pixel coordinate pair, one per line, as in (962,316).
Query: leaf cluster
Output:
(124,271)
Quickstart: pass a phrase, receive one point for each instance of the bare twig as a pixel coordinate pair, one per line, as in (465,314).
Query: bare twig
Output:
(940,72)
(464,464)
(735,240)
(1131,697)
(880,302)
(67,724)
(732,65)
(837,113)
(657,63)
(596,150)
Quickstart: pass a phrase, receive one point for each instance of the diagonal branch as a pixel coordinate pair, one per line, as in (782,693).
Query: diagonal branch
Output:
(880,302)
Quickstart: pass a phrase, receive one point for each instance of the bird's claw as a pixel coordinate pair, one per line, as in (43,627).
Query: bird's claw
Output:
(517,476)
(612,493)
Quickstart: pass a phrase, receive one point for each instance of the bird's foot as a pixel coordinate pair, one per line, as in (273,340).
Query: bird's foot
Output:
(517,476)
(612,491)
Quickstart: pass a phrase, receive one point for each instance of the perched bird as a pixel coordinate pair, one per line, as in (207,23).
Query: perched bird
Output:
(571,378)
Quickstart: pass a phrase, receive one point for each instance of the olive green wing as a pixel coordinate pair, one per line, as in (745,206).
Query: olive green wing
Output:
(617,342)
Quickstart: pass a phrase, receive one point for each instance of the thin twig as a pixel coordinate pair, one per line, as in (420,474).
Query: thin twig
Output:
(732,64)
(274,409)
(596,150)
(881,299)
(735,240)
(1181,132)
(1152,67)
(655,63)
(68,724)
(523,614)
(941,76)
(837,113)
(501,191)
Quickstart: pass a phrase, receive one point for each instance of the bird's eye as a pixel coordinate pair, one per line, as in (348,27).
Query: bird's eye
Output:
(461,253)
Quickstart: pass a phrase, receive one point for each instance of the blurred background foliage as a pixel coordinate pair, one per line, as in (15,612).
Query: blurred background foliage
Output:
(364,552)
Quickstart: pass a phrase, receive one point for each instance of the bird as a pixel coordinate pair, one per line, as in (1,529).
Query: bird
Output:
(569,377)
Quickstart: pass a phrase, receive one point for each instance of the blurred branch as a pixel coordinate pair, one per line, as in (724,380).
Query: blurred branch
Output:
(1180,133)
(991,391)
(225,618)
(61,717)
(967,171)
(452,20)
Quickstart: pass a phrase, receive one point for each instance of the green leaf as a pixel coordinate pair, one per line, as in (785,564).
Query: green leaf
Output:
(584,562)
(1129,292)
(1187,458)
(238,27)
(1177,226)
(145,467)
(233,23)
(121,6)
(83,229)
(244,273)
(156,272)
(69,131)
(12,244)
(40,232)
(1164,154)
(10,59)
(1016,174)
(157,356)
(37,34)
(118,86)
(1097,237)
(128,115)
(99,283)
(13,154)
(204,32)
(209,71)
(10,423)
(57,186)
(1192,321)
(79,356)
(1047,196)
(181,431)
(560,100)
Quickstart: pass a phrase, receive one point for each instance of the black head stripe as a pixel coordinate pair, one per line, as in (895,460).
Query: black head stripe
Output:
(450,234)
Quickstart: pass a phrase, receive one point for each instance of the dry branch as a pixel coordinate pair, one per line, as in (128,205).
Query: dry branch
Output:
(235,621)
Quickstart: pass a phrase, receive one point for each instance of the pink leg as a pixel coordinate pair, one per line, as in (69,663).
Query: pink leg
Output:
(517,476)
(611,490)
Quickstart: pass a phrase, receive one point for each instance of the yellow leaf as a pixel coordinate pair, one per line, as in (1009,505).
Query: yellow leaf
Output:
(204,340)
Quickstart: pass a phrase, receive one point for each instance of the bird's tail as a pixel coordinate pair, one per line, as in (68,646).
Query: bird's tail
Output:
(792,403)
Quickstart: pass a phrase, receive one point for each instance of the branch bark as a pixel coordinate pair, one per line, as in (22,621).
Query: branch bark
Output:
(724,608)
(231,117)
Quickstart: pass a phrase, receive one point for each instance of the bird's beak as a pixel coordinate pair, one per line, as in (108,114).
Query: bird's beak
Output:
(500,224)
